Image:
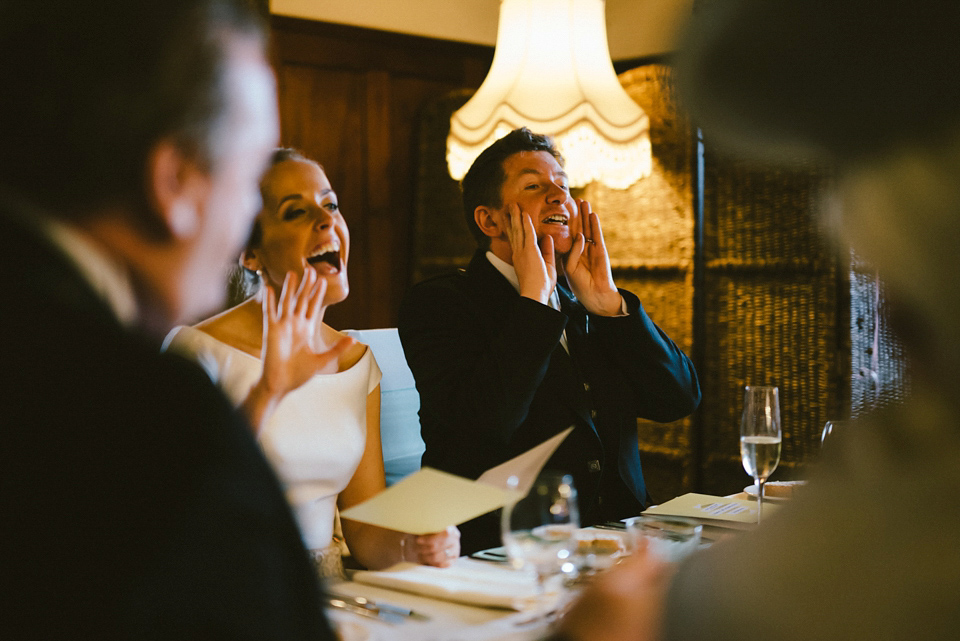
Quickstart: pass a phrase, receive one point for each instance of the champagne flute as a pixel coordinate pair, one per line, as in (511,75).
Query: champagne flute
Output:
(760,436)
(539,531)
(827,432)
(828,429)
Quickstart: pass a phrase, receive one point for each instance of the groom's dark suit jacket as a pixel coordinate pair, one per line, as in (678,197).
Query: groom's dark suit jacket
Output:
(494,381)
(134,501)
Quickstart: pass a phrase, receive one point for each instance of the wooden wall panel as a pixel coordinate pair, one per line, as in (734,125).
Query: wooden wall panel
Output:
(314,102)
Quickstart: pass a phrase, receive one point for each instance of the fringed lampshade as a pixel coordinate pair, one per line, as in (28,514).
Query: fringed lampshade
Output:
(551,72)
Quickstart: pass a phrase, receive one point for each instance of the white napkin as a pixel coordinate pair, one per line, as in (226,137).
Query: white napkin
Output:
(473,583)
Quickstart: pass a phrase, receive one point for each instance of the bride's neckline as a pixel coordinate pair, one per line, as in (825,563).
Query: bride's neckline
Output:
(258,359)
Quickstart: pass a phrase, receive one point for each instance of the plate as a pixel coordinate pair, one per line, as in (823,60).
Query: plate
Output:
(775,490)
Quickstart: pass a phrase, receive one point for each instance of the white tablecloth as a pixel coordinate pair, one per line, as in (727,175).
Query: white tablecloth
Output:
(448,621)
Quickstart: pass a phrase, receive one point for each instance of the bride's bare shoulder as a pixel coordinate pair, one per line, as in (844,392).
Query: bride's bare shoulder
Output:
(349,358)
(240,327)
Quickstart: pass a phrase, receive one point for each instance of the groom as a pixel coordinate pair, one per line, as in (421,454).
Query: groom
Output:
(535,337)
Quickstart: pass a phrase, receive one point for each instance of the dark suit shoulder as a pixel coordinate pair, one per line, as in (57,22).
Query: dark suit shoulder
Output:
(448,280)
(436,297)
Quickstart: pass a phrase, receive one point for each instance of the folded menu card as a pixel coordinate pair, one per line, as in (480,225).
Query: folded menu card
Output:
(429,500)
(713,510)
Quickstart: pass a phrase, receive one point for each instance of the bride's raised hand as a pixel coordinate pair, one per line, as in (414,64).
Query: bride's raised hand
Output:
(292,349)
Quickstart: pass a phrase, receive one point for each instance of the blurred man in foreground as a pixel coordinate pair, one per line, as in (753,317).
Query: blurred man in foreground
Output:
(134,502)
(872,548)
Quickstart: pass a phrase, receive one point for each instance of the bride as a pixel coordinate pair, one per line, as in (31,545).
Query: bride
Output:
(323,437)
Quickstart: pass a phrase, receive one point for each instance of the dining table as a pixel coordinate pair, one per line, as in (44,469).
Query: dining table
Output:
(475,599)
(428,618)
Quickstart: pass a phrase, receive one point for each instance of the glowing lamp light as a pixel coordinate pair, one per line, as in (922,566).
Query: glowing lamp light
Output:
(551,72)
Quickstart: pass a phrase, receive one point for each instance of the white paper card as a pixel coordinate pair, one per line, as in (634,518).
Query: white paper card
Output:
(429,500)
(524,467)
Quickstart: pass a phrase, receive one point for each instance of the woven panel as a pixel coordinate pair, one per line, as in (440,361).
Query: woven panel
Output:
(667,299)
(762,218)
(771,306)
(772,329)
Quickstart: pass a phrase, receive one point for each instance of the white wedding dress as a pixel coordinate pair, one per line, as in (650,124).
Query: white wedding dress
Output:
(316,436)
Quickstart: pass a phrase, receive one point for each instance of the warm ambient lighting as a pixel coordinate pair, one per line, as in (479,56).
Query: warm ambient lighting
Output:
(552,73)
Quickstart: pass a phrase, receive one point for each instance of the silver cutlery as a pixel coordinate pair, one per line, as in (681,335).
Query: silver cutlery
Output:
(386,612)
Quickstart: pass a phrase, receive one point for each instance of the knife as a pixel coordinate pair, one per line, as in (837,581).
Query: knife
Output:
(340,604)
(377,609)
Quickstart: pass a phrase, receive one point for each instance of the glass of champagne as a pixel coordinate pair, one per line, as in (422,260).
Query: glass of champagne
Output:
(540,530)
(828,430)
(760,436)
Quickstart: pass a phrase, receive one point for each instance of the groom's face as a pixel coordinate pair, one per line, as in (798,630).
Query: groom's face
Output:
(536,182)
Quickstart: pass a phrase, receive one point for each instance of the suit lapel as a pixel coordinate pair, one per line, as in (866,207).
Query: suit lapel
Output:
(563,379)
(493,292)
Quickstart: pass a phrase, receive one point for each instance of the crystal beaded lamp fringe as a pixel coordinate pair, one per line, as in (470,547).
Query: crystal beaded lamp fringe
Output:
(551,72)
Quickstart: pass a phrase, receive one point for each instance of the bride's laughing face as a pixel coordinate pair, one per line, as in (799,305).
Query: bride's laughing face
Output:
(300,225)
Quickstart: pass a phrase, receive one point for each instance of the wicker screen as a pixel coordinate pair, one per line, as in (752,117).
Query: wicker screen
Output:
(772,314)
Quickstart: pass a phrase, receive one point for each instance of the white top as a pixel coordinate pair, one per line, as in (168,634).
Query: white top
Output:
(316,436)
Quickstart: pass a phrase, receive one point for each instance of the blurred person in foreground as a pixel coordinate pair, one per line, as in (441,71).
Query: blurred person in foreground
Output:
(871,549)
(534,337)
(134,502)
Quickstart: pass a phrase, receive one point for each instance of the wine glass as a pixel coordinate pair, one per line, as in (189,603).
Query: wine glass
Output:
(828,429)
(827,432)
(760,436)
(540,530)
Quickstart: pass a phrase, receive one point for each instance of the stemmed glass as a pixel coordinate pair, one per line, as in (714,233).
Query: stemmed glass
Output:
(828,429)
(540,530)
(827,432)
(760,436)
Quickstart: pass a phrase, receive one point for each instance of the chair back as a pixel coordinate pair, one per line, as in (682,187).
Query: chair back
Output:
(399,403)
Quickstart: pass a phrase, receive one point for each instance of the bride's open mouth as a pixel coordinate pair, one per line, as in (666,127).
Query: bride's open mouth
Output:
(326,258)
